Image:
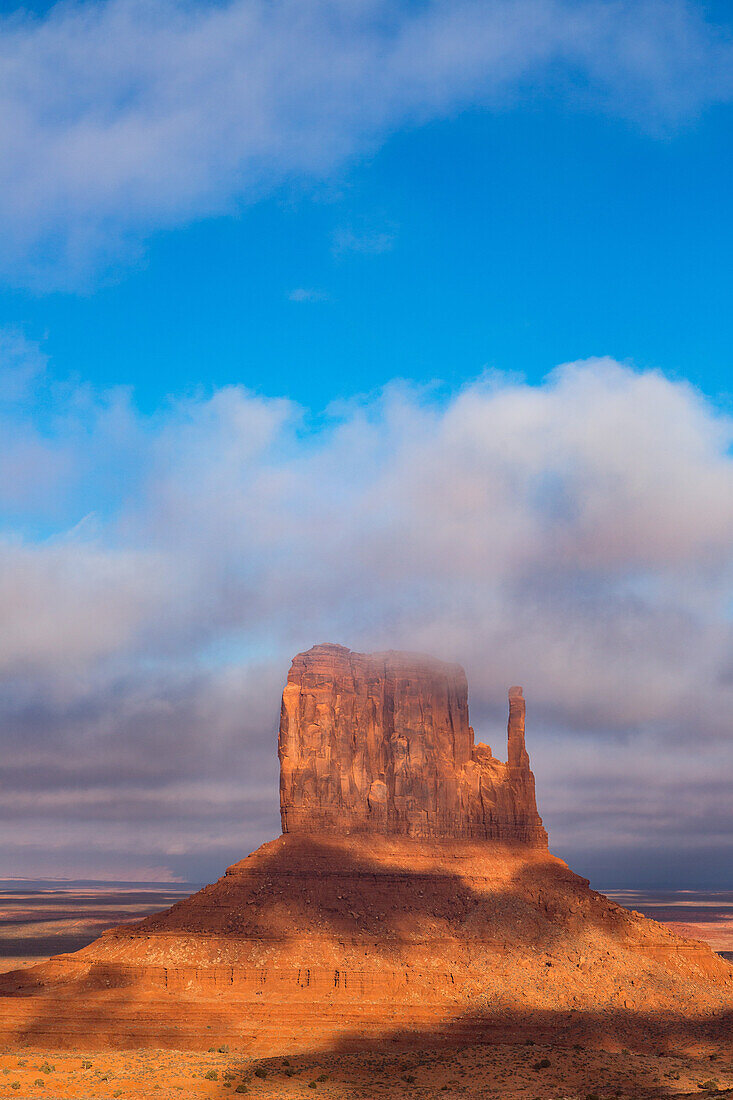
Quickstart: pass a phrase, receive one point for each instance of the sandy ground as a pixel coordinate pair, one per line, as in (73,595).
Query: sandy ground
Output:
(500,1072)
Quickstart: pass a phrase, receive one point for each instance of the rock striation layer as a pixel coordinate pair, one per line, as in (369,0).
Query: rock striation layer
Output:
(381,743)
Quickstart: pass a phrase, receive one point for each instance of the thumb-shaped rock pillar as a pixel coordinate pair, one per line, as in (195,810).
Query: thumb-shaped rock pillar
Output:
(518,756)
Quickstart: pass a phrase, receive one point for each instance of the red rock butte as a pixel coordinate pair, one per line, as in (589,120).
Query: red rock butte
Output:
(380,743)
(410,901)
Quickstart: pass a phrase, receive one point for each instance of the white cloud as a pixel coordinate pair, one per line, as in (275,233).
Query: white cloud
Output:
(118,118)
(575,536)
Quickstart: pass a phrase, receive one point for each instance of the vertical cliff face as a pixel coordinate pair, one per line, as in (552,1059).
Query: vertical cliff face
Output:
(381,743)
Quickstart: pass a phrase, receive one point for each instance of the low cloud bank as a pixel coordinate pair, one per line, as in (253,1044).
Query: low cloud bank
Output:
(160,571)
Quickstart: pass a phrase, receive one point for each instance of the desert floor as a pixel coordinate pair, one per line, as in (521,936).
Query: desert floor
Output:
(504,1072)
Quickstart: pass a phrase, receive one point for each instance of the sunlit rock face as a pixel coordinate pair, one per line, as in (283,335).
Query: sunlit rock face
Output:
(381,743)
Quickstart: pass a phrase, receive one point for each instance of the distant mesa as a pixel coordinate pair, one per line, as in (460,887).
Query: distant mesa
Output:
(380,743)
(411,901)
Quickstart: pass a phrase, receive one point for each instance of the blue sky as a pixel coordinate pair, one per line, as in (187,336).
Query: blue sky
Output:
(390,324)
(510,241)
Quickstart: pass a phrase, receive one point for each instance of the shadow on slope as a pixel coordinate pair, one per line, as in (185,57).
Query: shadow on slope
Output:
(356,889)
(603,1054)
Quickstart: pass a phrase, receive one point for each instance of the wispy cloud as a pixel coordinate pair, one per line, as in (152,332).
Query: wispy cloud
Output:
(369,242)
(21,365)
(119,118)
(308,294)
(574,536)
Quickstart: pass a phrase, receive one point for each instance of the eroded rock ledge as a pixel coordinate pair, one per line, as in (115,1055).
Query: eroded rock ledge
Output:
(381,742)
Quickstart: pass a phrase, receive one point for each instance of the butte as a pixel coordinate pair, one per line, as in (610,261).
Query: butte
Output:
(411,900)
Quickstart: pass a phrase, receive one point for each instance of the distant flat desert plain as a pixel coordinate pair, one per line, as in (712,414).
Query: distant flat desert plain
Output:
(40,919)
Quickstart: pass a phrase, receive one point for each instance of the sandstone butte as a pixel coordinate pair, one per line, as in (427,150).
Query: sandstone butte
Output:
(410,901)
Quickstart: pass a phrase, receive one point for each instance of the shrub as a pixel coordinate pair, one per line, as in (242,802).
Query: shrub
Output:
(708,1086)
(241,1088)
(45,1068)
(211,1075)
(15,1085)
(311,1084)
(542,1064)
(223,1049)
(40,1083)
(86,1065)
(261,1072)
(324,1077)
